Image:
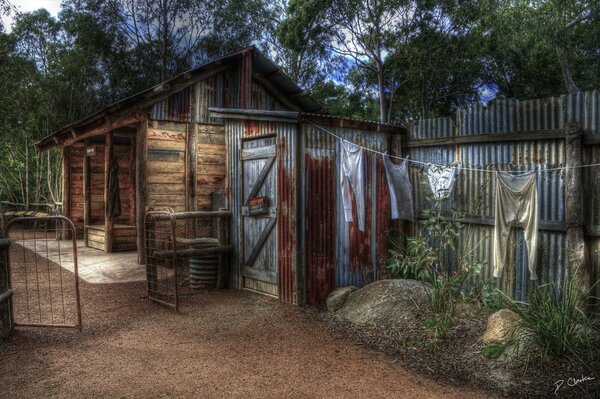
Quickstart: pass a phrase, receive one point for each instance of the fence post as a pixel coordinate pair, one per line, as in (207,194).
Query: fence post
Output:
(575,246)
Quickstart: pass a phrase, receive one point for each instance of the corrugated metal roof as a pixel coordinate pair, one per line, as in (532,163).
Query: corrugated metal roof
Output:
(261,64)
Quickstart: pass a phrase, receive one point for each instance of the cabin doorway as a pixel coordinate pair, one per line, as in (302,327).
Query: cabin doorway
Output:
(259,214)
(108,192)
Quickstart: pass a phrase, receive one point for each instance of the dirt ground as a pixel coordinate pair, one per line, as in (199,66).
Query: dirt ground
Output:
(223,344)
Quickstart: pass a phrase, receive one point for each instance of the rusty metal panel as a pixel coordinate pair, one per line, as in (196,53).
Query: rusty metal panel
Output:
(287,223)
(319,191)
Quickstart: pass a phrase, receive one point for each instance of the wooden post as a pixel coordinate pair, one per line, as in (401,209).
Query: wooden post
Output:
(87,193)
(223,240)
(577,264)
(108,219)
(403,227)
(66,190)
(140,188)
(132,212)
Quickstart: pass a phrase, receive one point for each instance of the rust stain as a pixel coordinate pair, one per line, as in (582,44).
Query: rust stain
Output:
(321,227)
(383,216)
(360,241)
(286,227)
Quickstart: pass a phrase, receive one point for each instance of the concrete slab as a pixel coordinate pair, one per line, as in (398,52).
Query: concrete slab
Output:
(95,266)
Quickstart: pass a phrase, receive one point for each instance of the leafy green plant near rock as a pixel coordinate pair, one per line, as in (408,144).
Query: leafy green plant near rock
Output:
(426,257)
(555,320)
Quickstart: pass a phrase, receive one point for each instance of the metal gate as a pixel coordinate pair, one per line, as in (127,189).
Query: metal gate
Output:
(43,274)
(259,214)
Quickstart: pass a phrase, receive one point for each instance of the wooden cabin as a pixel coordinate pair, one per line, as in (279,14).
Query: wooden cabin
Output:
(169,150)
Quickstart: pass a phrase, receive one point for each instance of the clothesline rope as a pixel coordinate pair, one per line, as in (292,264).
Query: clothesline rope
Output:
(445,166)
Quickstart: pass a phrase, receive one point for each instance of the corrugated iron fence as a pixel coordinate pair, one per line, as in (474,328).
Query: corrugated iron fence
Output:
(519,136)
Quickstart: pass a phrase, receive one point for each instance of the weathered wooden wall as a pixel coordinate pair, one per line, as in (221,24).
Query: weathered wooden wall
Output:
(76,204)
(166,166)
(211,156)
(97,185)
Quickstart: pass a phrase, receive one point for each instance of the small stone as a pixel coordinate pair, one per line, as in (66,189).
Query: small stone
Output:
(500,327)
(337,298)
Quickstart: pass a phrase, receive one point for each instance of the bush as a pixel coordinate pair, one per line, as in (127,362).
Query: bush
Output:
(555,320)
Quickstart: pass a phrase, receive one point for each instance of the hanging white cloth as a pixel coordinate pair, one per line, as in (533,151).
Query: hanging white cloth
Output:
(441,180)
(516,200)
(400,189)
(353,176)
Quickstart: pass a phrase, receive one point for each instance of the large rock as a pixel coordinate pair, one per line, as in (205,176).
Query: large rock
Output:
(387,303)
(337,298)
(500,327)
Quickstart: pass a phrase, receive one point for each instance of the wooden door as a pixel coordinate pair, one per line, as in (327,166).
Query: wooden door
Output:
(259,214)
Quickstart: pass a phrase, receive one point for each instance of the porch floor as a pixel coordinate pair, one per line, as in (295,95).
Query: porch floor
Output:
(95,267)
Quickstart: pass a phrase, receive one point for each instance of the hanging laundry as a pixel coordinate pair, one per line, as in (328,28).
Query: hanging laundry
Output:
(400,189)
(353,176)
(441,180)
(516,200)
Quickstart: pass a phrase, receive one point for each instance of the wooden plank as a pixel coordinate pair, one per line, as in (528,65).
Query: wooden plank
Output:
(212,149)
(260,242)
(108,219)
(165,167)
(166,188)
(166,145)
(261,286)
(140,188)
(258,153)
(260,179)
(260,275)
(192,252)
(486,138)
(87,193)
(96,245)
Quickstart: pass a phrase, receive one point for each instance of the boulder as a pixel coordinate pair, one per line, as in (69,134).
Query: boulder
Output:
(337,298)
(500,327)
(389,303)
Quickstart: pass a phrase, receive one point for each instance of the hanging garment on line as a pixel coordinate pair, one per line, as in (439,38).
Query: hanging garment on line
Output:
(441,180)
(516,200)
(400,189)
(353,175)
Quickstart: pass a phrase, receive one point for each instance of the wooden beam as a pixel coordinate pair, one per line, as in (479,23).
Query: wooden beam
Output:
(275,92)
(577,265)
(487,138)
(183,253)
(87,193)
(131,192)
(108,219)
(140,188)
(66,190)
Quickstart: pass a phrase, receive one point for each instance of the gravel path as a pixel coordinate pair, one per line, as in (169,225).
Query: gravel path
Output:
(223,344)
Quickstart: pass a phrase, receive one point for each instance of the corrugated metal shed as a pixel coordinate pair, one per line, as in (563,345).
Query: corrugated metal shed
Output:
(317,250)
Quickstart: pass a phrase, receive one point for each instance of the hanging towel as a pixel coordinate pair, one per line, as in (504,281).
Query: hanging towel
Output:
(353,176)
(441,180)
(516,200)
(400,189)
(114,197)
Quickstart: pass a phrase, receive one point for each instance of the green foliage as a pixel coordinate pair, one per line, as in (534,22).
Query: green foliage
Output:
(425,256)
(493,350)
(555,320)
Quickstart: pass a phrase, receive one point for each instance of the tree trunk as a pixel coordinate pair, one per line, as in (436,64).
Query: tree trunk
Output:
(163,73)
(382,108)
(577,265)
(566,70)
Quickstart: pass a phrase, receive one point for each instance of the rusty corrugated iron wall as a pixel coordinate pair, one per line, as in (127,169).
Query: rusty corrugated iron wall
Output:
(337,253)
(474,191)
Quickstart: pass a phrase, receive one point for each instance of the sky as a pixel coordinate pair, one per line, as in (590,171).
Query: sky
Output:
(53,6)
